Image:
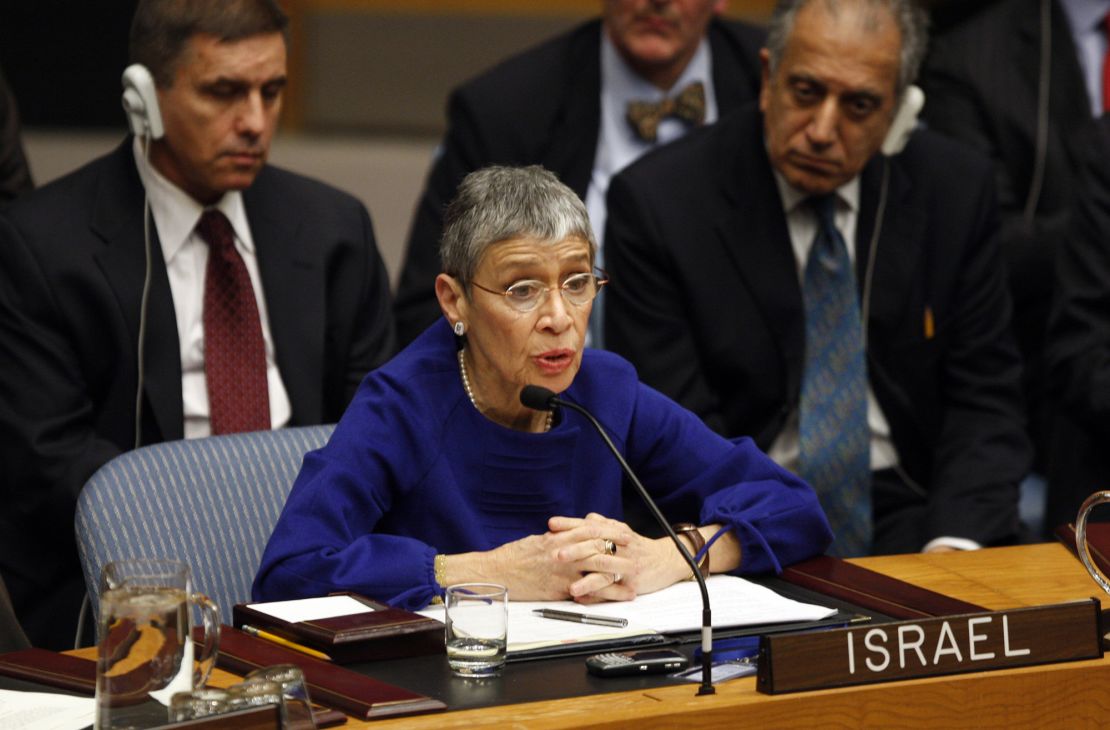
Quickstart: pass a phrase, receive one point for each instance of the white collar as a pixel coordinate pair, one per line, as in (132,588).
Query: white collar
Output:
(1085,16)
(176,213)
(847,194)
(622,84)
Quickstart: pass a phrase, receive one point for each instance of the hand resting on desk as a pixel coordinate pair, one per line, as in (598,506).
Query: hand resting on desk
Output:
(569,562)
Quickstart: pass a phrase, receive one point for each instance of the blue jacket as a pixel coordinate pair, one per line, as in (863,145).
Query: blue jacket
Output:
(413,470)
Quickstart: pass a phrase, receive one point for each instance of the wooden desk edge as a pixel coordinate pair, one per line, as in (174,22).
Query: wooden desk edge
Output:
(1075,694)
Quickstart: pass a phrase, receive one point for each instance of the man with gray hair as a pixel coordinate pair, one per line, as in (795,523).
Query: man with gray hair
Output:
(786,279)
(255,298)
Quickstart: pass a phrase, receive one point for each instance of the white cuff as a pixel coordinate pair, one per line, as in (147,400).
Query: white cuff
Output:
(959,543)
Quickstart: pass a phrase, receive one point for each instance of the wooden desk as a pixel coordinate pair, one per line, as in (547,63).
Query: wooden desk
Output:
(1072,695)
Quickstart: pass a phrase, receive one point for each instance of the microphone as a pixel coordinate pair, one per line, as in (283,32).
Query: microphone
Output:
(539,398)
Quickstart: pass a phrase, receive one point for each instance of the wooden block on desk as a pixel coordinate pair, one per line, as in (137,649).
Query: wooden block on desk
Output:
(930,647)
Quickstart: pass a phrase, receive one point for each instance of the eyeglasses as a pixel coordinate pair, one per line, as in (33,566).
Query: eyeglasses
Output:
(526,295)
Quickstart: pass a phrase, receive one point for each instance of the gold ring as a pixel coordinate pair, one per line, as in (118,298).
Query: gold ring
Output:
(610,547)
(617,577)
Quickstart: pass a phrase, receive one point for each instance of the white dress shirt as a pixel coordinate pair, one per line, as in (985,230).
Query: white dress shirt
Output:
(1085,18)
(801,221)
(175,216)
(618,146)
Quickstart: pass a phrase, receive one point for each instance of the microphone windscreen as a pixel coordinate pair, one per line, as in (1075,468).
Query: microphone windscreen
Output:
(536,397)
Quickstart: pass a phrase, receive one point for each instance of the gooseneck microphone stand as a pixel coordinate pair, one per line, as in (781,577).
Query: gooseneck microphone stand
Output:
(541,399)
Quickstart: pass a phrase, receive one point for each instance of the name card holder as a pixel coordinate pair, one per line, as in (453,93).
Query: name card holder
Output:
(972,642)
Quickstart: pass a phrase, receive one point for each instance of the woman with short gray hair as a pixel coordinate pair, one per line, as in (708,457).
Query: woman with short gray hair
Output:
(438,474)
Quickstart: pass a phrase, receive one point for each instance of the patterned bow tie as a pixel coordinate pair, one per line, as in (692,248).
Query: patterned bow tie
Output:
(688,105)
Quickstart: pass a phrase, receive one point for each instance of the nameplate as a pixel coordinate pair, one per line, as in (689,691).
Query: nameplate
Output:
(971,642)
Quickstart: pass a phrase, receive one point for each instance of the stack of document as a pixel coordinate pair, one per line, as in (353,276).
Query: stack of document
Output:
(735,602)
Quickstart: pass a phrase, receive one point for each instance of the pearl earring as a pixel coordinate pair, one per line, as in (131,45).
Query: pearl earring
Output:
(460,328)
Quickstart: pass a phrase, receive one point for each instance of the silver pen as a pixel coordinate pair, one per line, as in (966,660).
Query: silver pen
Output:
(581,618)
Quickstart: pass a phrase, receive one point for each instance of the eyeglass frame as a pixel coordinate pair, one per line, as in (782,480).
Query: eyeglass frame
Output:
(601,278)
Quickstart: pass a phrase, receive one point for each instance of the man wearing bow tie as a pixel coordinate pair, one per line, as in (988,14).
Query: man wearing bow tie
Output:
(781,277)
(584,105)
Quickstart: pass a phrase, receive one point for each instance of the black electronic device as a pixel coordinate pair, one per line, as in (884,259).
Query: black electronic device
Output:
(630,663)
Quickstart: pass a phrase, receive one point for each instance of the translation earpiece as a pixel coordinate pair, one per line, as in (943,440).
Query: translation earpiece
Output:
(140,101)
(905,120)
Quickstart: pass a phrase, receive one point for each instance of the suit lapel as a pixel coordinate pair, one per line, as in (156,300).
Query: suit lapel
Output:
(1068,100)
(118,220)
(575,129)
(899,249)
(291,266)
(753,231)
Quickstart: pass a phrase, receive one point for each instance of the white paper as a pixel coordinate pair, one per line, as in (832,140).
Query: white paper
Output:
(312,609)
(45,711)
(182,681)
(735,602)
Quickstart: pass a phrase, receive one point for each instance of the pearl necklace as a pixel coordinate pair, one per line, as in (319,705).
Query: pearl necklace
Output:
(470,393)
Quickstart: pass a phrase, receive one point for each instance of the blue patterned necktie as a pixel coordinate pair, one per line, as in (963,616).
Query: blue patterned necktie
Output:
(834,437)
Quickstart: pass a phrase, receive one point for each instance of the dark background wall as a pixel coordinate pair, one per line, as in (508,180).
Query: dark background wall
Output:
(63,58)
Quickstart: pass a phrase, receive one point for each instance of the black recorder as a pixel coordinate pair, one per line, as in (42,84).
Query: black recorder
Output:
(629,663)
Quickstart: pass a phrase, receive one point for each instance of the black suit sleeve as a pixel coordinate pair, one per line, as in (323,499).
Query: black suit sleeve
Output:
(1079,349)
(982,452)
(646,319)
(49,445)
(373,342)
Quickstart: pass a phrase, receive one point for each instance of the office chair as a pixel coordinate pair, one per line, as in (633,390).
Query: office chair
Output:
(211,503)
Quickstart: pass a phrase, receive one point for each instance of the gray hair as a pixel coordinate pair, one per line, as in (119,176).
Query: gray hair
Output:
(911,19)
(501,203)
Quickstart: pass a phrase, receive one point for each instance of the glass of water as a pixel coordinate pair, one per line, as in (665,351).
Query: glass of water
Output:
(295,700)
(198,703)
(477,628)
(144,653)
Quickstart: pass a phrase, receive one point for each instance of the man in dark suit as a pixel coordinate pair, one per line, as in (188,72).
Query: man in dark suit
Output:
(1019,81)
(560,105)
(296,260)
(711,253)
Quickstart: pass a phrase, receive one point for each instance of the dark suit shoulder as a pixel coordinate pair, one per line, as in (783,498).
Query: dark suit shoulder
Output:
(61,202)
(698,159)
(745,35)
(992,59)
(307,194)
(741,42)
(536,75)
(983,32)
(941,160)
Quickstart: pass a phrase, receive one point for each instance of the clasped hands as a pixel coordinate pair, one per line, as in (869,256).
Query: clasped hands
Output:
(570,561)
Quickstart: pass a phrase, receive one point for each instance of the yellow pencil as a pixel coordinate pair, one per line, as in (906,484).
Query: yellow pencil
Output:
(281,641)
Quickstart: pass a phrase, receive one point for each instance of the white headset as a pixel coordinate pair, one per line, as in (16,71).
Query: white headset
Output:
(901,129)
(904,122)
(140,101)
